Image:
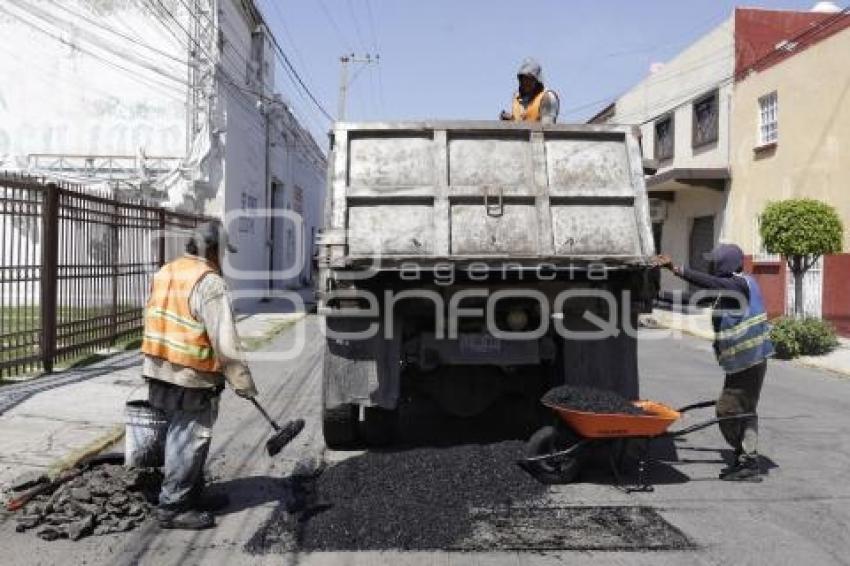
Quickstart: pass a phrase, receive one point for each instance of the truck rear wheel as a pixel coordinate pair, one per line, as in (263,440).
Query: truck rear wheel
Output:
(339,426)
(379,426)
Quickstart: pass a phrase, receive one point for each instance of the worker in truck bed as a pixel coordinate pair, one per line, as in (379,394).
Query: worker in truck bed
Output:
(533,103)
(742,347)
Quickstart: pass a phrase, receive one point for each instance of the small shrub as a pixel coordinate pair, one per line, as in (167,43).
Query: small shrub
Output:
(816,337)
(794,337)
(784,338)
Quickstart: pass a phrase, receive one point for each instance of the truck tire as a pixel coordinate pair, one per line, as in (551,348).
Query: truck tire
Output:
(339,426)
(379,426)
(545,441)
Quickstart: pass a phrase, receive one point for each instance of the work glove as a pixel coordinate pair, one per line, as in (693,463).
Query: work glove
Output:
(662,261)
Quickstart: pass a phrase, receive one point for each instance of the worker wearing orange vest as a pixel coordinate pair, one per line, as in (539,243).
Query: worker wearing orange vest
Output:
(533,103)
(191,348)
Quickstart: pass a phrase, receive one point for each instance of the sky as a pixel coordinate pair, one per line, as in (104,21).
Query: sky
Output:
(457,59)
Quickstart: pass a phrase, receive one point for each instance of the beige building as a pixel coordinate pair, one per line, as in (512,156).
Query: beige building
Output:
(791,139)
(683,111)
(758,109)
(807,149)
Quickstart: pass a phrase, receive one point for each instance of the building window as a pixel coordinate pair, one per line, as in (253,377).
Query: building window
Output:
(768,119)
(249,212)
(664,138)
(760,254)
(706,120)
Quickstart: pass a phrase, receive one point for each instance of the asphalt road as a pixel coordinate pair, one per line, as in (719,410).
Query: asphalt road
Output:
(799,515)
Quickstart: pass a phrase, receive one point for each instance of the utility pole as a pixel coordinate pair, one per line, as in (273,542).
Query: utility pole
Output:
(203,49)
(343,79)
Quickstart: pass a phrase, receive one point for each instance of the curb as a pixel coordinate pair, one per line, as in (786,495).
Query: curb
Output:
(813,365)
(91,449)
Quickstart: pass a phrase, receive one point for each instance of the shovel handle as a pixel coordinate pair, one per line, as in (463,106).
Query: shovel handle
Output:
(265,414)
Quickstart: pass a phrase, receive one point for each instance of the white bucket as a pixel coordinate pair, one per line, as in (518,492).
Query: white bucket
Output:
(144,437)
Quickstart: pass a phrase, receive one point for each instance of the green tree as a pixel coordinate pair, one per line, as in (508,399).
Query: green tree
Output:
(802,230)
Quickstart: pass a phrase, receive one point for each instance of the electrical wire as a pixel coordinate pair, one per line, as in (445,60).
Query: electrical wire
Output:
(118,33)
(132,74)
(98,42)
(805,32)
(223,72)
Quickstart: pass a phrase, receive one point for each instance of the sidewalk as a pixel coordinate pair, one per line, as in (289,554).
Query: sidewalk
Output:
(699,324)
(49,423)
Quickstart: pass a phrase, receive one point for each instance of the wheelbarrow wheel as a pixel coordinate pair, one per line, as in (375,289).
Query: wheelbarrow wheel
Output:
(547,440)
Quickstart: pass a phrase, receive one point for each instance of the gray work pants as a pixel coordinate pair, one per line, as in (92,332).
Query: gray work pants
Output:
(740,395)
(191,414)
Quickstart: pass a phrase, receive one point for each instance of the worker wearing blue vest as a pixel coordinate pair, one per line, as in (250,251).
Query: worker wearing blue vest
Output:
(742,346)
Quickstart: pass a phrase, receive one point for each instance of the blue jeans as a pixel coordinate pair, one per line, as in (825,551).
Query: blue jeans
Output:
(191,414)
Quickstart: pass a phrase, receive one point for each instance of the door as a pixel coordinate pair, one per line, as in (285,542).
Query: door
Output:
(812,291)
(702,241)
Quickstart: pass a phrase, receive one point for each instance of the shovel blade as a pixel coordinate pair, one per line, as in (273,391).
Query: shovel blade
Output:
(284,436)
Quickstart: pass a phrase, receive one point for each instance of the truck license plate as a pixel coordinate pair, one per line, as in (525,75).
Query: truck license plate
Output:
(479,344)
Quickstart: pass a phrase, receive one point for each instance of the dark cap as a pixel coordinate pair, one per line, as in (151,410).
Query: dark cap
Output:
(211,234)
(727,259)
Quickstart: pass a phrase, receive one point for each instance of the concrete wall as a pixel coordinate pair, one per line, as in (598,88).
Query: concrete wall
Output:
(813,151)
(705,65)
(94,92)
(675,237)
(103,93)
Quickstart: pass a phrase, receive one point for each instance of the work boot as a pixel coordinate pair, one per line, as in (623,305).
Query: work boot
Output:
(746,469)
(211,501)
(192,520)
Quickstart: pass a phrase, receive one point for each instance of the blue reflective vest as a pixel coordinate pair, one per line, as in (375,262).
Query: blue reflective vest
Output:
(741,338)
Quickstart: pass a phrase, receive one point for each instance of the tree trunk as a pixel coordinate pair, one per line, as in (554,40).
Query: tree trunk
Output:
(798,286)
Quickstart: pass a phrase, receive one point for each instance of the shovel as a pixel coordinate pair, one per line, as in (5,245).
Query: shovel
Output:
(282,435)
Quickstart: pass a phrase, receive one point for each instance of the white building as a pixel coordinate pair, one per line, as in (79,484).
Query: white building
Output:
(682,108)
(171,99)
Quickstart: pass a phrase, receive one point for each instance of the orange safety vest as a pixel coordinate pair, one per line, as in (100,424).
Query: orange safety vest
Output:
(530,113)
(171,332)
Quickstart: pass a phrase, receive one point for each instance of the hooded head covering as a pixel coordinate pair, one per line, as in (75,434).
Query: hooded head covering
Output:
(725,260)
(531,68)
(209,235)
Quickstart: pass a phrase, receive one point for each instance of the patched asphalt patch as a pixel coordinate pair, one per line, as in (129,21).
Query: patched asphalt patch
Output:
(462,498)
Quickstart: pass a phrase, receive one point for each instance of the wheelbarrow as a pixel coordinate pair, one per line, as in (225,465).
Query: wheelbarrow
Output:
(556,454)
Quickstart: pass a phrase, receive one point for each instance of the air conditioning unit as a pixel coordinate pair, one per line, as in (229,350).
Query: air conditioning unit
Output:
(657,210)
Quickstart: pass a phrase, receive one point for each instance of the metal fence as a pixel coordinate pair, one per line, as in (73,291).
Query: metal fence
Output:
(75,269)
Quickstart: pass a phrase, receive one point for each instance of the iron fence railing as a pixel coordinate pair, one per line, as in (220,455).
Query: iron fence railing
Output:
(75,269)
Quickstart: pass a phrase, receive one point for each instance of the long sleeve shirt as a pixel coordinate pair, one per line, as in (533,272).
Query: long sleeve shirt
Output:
(210,304)
(729,289)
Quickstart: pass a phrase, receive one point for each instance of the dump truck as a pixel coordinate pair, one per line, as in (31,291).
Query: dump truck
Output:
(471,260)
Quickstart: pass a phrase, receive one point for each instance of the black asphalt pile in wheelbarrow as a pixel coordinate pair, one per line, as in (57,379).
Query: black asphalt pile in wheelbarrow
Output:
(104,499)
(589,399)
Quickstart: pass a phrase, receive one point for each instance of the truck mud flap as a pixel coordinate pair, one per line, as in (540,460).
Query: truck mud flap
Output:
(363,372)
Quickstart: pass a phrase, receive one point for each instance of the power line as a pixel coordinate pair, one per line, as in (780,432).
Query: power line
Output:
(340,35)
(97,41)
(803,33)
(224,74)
(132,74)
(310,116)
(118,33)
(379,72)
(297,77)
